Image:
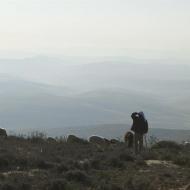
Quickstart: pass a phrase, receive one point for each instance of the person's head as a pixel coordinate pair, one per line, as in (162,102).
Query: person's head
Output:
(135,116)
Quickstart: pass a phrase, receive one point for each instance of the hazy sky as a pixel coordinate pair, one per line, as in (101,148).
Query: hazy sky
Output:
(95,27)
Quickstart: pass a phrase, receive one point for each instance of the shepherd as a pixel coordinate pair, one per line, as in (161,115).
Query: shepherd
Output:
(140,128)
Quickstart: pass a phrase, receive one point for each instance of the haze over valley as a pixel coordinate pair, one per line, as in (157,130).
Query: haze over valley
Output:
(44,93)
(94,95)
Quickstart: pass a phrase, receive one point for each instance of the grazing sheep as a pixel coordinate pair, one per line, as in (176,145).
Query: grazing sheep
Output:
(128,138)
(3,133)
(75,139)
(98,140)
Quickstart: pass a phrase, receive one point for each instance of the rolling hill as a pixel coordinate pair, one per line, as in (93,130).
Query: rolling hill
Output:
(43,93)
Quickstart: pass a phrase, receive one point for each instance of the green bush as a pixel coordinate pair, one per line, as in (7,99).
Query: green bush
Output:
(77,175)
(24,186)
(140,183)
(42,164)
(4,162)
(107,186)
(182,160)
(140,162)
(37,137)
(116,163)
(58,184)
(167,144)
(126,157)
(149,155)
(7,187)
(62,168)
(95,164)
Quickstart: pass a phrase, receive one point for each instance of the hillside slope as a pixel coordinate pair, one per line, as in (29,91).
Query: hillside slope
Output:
(25,104)
(39,163)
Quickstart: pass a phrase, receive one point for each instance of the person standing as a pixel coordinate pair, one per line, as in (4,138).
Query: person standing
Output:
(139,127)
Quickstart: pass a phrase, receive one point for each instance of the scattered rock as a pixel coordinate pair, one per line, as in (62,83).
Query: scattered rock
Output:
(98,140)
(75,139)
(114,141)
(161,162)
(51,140)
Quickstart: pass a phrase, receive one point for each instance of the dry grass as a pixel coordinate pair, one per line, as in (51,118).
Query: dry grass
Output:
(34,163)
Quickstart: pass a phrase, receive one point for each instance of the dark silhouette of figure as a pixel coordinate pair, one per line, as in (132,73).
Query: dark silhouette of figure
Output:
(139,127)
(129,139)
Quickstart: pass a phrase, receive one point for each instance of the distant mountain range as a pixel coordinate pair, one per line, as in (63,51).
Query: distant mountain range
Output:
(108,131)
(92,94)
(27,104)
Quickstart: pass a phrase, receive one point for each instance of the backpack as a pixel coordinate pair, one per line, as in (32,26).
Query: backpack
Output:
(144,122)
(145,127)
(140,123)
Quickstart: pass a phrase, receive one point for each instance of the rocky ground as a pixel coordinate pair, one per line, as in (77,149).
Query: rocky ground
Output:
(35,163)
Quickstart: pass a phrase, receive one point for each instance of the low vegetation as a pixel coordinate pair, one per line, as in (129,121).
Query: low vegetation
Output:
(36,163)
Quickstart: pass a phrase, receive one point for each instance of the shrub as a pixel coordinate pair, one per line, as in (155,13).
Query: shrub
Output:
(82,165)
(126,157)
(24,186)
(61,139)
(77,175)
(149,155)
(107,186)
(42,164)
(62,168)
(95,164)
(86,166)
(167,144)
(37,137)
(166,155)
(140,162)
(182,160)
(152,140)
(58,184)
(140,183)
(116,162)
(4,162)
(7,187)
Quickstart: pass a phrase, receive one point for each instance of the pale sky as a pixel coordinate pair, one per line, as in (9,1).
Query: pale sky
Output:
(95,27)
